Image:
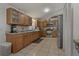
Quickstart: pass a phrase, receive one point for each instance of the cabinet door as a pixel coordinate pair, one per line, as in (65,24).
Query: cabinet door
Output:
(33,36)
(38,23)
(28,20)
(54,34)
(11,38)
(15,16)
(21,19)
(30,37)
(26,39)
(8,15)
(45,23)
(16,40)
(24,20)
(18,43)
(12,16)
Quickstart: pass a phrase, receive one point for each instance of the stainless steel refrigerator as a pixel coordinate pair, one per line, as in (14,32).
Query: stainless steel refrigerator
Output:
(60,32)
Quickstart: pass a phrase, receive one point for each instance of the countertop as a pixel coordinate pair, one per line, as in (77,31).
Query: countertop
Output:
(22,32)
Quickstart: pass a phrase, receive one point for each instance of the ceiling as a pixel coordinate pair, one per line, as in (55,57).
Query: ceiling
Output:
(36,10)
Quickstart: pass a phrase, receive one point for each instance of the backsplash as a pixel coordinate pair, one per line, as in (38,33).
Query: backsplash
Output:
(21,28)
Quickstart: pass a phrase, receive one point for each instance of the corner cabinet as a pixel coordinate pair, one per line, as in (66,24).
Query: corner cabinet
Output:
(18,18)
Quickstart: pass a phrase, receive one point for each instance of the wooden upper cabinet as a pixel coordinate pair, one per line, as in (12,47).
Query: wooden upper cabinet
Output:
(16,17)
(12,16)
(24,20)
(21,19)
(27,20)
(30,21)
(38,23)
(45,23)
(42,24)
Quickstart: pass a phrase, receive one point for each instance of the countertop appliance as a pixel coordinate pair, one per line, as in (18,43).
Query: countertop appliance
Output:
(13,29)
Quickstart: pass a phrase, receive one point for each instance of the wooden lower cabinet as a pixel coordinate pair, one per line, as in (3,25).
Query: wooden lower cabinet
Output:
(25,40)
(21,40)
(54,34)
(16,40)
(18,43)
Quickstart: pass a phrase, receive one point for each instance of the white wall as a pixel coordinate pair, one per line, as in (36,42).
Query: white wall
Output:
(75,25)
(3,26)
(71,28)
(67,29)
(76,20)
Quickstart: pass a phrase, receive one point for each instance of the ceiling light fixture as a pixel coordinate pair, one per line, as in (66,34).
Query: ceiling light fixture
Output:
(46,10)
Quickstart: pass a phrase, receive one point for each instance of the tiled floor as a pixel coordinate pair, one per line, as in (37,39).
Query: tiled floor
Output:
(47,47)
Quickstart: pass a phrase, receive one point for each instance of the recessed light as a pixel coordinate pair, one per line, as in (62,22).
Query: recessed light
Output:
(46,10)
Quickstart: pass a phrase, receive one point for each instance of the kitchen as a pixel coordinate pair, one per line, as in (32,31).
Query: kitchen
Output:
(24,30)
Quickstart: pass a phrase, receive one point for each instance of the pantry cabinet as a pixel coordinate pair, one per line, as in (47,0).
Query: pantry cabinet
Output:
(18,18)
